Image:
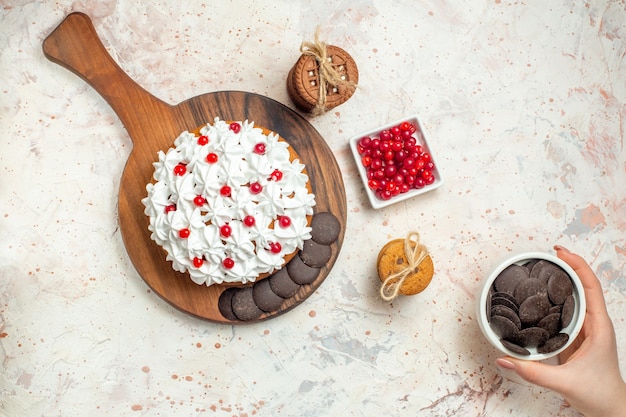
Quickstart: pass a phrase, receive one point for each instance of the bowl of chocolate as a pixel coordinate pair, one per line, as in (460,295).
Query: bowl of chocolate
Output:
(532,306)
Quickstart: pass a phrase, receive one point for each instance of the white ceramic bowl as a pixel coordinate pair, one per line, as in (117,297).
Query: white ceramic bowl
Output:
(420,135)
(572,329)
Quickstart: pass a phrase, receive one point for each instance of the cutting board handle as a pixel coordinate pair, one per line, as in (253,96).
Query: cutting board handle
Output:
(75,45)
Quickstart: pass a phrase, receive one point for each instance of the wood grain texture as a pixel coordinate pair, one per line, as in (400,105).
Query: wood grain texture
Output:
(153,125)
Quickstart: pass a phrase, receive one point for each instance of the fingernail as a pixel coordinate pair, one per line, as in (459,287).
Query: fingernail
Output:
(505,363)
(559,247)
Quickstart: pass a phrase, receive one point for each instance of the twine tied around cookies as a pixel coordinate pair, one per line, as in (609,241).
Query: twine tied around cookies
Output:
(328,75)
(415,253)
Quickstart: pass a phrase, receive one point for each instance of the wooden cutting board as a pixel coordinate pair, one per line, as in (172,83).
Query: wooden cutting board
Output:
(153,125)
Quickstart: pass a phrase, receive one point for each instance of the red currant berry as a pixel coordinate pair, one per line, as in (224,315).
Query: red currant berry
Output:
(426,157)
(260,148)
(390,170)
(385,135)
(395,131)
(180,170)
(406,134)
(365,142)
(419,182)
(385,145)
(410,144)
(284,221)
(203,140)
(376,164)
(212,158)
(226,191)
(426,174)
(184,233)
(228,263)
(197,262)
(275,247)
(366,161)
(400,155)
(375,143)
(276,175)
(235,127)
(397,145)
(256,188)
(430,180)
(226,231)
(249,221)
(405,126)
(373,184)
(171,207)
(379,174)
(199,200)
(389,155)
(385,194)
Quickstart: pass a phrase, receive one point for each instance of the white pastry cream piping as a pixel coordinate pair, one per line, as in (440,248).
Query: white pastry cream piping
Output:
(228,205)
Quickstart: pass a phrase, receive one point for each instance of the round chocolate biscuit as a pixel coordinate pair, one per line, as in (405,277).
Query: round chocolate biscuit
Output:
(567,313)
(554,343)
(531,337)
(244,307)
(264,297)
(509,278)
(315,255)
(500,310)
(533,309)
(520,350)
(503,327)
(543,270)
(282,284)
(559,287)
(552,323)
(501,301)
(529,287)
(301,273)
(225,303)
(325,228)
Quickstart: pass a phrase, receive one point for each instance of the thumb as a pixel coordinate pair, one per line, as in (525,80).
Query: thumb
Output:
(537,373)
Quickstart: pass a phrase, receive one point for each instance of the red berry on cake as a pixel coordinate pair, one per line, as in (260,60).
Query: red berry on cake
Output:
(197,262)
(284,221)
(226,191)
(212,158)
(203,140)
(184,233)
(249,221)
(199,201)
(226,231)
(275,247)
(235,127)
(276,175)
(259,148)
(171,207)
(228,263)
(256,188)
(180,170)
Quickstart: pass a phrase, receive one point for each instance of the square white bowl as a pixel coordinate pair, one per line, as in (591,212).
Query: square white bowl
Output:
(422,140)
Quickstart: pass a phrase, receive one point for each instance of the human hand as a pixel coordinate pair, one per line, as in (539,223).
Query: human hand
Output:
(588,376)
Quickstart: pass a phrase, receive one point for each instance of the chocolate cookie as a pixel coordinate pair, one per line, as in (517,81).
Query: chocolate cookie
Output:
(315,255)
(325,228)
(264,297)
(301,273)
(244,306)
(225,304)
(282,284)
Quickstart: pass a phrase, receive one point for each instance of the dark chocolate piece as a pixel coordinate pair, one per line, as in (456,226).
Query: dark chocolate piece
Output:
(520,350)
(244,306)
(282,284)
(300,272)
(503,327)
(559,287)
(531,337)
(552,323)
(225,304)
(554,343)
(509,278)
(500,310)
(325,228)
(315,255)
(568,311)
(529,287)
(534,309)
(264,297)
(500,301)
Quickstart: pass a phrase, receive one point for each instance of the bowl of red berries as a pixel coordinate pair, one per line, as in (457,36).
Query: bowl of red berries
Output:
(395,162)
